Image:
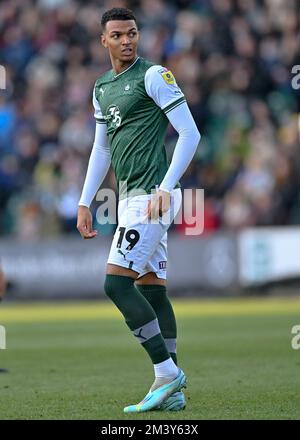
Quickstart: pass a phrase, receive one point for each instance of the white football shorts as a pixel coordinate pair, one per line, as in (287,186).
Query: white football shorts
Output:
(140,244)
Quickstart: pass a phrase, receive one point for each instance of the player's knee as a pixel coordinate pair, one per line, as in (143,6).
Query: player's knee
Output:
(115,285)
(110,286)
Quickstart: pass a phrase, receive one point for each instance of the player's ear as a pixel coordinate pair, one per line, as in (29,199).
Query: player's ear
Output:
(103,40)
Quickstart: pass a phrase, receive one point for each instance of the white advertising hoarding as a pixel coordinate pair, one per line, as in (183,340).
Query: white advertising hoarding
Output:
(268,254)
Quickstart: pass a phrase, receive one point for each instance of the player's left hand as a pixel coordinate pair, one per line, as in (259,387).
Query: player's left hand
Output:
(159,204)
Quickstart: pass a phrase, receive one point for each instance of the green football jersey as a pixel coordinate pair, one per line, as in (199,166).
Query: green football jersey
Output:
(133,105)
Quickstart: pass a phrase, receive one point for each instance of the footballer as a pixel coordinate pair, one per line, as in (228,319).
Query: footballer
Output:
(134,103)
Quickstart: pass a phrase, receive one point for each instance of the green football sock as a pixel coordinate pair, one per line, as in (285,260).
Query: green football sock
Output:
(157,296)
(139,315)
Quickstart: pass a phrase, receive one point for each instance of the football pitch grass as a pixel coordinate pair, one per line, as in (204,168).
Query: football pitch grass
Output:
(79,361)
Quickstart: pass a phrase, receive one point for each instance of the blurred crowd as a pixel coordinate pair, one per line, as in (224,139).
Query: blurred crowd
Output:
(233,60)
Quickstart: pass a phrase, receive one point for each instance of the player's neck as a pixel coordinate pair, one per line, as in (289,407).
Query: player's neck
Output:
(119,66)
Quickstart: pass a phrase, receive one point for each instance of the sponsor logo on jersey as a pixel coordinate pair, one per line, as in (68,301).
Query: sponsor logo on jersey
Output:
(162,264)
(168,77)
(113,115)
(127,87)
(101,91)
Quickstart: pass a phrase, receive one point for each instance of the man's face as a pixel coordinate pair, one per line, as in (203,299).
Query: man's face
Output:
(121,39)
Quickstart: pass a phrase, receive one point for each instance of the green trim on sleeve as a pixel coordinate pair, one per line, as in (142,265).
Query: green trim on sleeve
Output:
(174,104)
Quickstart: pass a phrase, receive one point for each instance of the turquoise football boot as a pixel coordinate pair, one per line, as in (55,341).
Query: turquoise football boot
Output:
(176,402)
(155,398)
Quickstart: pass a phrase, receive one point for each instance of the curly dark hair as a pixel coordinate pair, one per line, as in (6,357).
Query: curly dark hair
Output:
(117,14)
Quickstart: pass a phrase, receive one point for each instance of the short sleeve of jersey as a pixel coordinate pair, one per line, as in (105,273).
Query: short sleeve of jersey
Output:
(161,86)
(97,113)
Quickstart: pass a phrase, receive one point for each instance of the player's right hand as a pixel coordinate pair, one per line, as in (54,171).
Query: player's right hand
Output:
(85,223)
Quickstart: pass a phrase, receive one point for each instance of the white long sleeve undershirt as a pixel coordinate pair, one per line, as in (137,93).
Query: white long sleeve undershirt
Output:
(164,94)
(98,166)
(188,140)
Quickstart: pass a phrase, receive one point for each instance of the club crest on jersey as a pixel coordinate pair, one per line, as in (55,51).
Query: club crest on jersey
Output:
(168,77)
(129,88)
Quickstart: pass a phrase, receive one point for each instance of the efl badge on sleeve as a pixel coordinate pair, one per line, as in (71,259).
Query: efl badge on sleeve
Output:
(168,77)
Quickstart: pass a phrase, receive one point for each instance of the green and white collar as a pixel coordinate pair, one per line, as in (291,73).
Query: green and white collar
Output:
(131,65)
